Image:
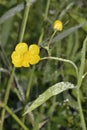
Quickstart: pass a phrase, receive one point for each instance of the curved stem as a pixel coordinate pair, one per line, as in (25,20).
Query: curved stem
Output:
(63,60)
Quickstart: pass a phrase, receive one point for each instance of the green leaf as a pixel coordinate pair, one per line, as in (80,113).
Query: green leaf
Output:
(6,30)
(11,12)
(81,71)
(52,91)
(80,20)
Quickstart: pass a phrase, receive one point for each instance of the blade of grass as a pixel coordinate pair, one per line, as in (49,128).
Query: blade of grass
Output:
(80,82)
(5,32)
(6,98)
(80,20)
(11,12)
(14,116)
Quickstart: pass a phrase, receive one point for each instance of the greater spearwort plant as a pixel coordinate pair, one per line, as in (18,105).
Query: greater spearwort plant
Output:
(26,55)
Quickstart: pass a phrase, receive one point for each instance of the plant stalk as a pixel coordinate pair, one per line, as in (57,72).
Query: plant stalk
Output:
(63,60)
(14,116)
(80,78)
(6,98)
(24,22)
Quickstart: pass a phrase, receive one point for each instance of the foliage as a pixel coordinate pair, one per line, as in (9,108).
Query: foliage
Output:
(63,62)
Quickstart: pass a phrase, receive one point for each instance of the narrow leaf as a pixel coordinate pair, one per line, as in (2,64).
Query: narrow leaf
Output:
(80,20)
(11,12)
(54,90)
(81,71)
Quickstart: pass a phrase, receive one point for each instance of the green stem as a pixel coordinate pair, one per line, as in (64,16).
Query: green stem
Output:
(21,35)
(48,46)
(14,116)
(63,60)
(51,38)
(6,98)
(40,40)
(44,19)
(81,71)
(47,9)
(84,75)
(80,110)
(24,22)
(29,83)
(23,26)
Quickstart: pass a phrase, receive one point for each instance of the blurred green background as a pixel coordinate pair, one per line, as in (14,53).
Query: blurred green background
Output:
(59,112)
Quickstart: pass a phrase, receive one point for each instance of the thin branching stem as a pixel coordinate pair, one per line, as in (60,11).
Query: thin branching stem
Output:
(63,60)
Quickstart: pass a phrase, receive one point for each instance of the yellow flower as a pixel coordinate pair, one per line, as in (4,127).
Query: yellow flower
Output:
(58,25)
(34,49)
(34,54)
(17,59)
(34,59)
(25,61)
(24,55)
(21,48)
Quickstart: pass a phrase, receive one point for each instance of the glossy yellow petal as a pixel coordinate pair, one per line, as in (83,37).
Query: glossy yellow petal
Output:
(34,49)
(58,25)
(17,59)
(21,48)
(34,59)
(25,61)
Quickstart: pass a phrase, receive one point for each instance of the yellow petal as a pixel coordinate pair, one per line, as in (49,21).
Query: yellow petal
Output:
(21,48)
(34,49)
(58,25)
(17,59)
(25,61)
(25,64)
(34,59)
